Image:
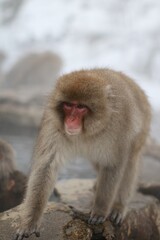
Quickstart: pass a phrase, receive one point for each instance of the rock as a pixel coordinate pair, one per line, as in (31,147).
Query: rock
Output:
(32,75)
(33,70)
(155,128)
(55,217)
(77,229)
(149,170)
(1,77)
(16,114)
(61,222)
(153,149)
(76,192)
(2,57)
(150,189)
(23,93)
(150,166)
(9,10)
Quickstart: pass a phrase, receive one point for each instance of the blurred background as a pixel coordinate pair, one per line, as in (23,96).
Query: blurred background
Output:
(42,39)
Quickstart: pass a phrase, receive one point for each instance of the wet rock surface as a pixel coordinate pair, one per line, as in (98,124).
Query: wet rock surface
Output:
(61,222)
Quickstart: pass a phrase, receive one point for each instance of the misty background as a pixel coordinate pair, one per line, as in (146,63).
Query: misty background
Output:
(42,39)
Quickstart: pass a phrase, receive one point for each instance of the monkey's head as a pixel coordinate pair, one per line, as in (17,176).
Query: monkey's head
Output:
(79,100)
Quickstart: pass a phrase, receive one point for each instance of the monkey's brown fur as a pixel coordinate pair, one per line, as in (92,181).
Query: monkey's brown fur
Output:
(14,196)
(12,182)
(114,133)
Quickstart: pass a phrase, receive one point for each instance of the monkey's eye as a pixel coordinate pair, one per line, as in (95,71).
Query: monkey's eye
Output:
(81,106)
(67,104)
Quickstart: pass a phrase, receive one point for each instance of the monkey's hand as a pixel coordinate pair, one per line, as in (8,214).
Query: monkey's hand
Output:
(26,232)
(97,217)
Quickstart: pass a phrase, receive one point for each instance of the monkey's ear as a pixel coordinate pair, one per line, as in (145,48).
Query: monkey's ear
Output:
(10,185)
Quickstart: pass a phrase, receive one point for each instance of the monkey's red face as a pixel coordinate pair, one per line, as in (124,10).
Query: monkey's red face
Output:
(74,116)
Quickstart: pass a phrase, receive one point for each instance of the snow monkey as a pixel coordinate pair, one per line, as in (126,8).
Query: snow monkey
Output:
(102,116)
(12,181)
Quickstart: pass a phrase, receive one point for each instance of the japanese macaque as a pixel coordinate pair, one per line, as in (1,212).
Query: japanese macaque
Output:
(102,116)
(12,182)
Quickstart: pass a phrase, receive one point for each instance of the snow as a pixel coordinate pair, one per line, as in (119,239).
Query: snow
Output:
(123,35)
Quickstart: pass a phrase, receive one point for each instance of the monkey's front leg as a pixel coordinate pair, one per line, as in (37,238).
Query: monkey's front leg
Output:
(40,186)
(106,189)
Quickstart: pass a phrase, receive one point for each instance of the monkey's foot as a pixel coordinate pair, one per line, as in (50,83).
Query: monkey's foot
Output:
(21,234)
(116,216)
(96,219)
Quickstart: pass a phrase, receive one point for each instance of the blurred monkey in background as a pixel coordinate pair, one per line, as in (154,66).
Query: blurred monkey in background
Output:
(12,181)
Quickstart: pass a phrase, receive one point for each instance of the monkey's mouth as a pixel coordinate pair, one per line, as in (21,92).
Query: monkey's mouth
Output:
(72,132)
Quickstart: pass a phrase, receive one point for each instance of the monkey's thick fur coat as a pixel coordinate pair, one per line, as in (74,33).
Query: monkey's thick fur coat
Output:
(112,138)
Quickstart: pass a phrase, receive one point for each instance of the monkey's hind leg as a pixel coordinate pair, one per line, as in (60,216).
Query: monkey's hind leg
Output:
(125,192)
(104,195)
